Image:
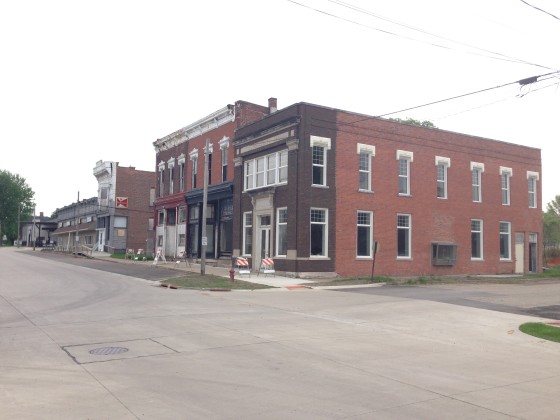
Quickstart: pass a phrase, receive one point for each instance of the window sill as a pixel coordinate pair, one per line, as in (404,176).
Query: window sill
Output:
(404,195)
(364,258)
(477,259)
(320,186)
(365,191)
(506,260)
(318,257)
(404,258)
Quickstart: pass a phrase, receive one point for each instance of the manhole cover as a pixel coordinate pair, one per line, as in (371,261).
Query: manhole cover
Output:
(105,351)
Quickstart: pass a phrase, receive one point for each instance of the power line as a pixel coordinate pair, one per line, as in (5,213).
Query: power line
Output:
(540,10)
(522,82)
(369,13)
(496,56)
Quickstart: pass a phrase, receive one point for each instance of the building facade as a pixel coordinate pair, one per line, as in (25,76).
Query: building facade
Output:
(76,225)
(180,163)
(37,231)
(325,191)
(125,208)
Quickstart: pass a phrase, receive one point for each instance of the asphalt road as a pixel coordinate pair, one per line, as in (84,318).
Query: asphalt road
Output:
(539,298)
(81,340)
(143,270)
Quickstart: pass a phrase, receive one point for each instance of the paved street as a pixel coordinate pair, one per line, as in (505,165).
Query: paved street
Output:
(83,342)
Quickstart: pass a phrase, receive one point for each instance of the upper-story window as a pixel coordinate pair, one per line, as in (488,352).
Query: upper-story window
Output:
(476,180)
(224,147)
(532,178)
(266,170)
(365,153)
(171,166)
(161,170)
(194,167)
(404,158)
(505,175)
(442,164)
(319,146)
(181,163)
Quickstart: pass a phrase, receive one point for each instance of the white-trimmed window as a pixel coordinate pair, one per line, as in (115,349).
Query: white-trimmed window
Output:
(171,166)
(194,167)
(404,159)
(182,215)
(365,153)
(319,146)
(404,227)
(532,178)
(161,217)
(266,170)
(476,179)
(282,232)
(319,228)
(477,239)
(248,233)
(505,175)
(364,234)
(442,164)
(161,170)
(505,241)
(181,163)
(224,146)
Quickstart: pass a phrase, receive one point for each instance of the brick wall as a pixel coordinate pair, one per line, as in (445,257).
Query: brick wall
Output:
(433,219)
(135,185)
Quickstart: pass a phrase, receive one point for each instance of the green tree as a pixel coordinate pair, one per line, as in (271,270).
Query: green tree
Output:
(16,197)
(554,206)
(551,228)
(412,121)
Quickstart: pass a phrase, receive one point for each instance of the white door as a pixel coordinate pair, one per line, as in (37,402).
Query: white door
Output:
(519,253)
(101,241)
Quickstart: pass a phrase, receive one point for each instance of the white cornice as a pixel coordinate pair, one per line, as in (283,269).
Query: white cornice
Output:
(210,122)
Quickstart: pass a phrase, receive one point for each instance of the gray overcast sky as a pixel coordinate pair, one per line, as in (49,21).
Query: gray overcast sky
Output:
(83,81)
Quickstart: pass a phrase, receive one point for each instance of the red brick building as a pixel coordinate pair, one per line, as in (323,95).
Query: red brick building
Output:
(180,181)
(316,188)
(125,212)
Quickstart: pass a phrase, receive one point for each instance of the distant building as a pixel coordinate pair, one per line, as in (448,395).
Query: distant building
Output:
(37,230)
(76,224)
(318,188)
(180,158)
(125,208)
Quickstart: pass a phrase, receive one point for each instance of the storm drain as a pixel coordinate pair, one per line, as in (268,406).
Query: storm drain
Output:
(107,351)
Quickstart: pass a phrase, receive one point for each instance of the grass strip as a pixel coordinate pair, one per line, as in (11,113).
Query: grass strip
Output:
(209,281)
(540,330)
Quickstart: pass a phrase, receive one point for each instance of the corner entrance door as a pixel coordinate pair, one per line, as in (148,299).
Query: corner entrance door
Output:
(264,238)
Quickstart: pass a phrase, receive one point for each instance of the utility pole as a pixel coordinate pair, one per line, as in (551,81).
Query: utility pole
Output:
(18,224)
(33,234)
(207,150)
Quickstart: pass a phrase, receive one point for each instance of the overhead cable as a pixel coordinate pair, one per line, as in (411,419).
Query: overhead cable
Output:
(496,56)
(540,10)
(522,82)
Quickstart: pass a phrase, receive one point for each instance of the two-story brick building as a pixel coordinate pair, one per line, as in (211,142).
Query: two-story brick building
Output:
(180,163)
(124,217)
(318,188)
